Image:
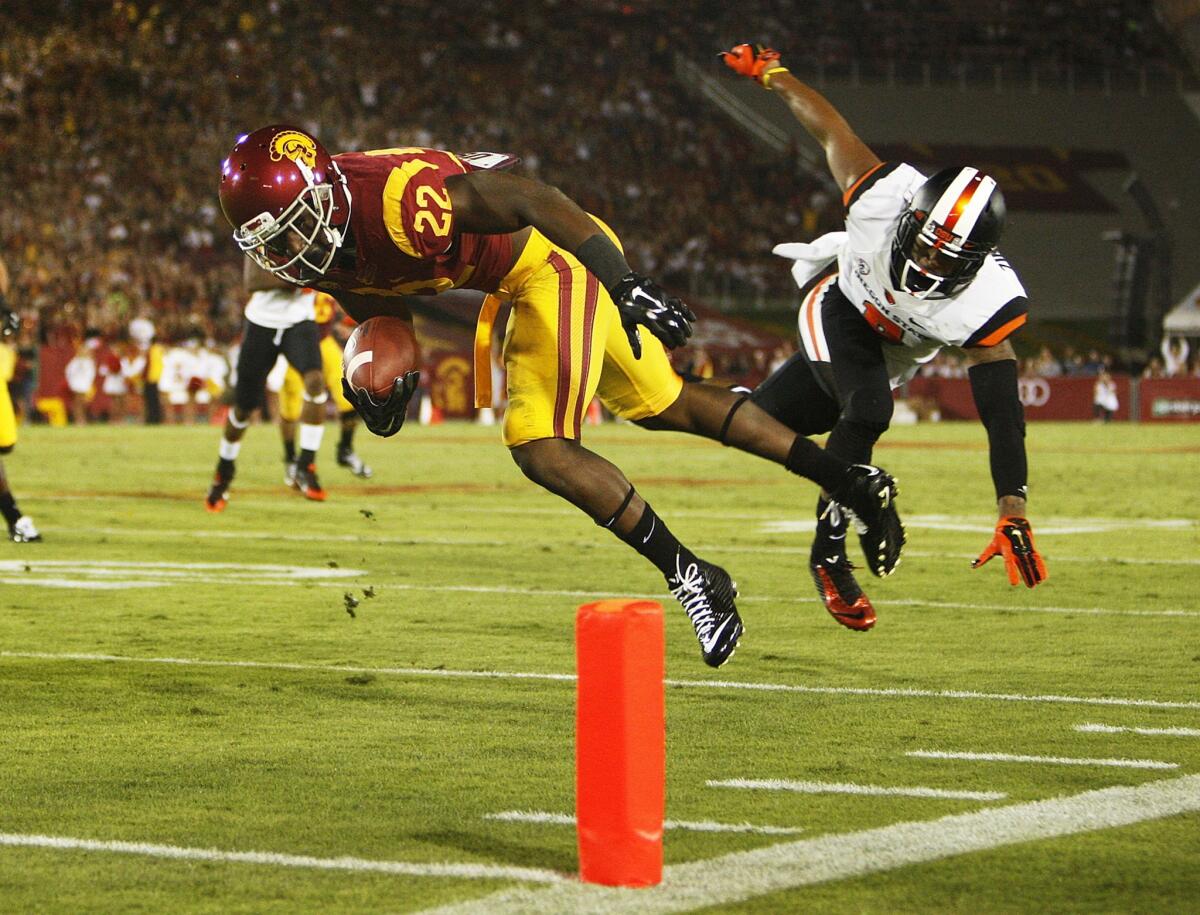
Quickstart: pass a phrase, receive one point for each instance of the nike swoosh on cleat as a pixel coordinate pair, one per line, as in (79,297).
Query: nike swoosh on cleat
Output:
(712,641)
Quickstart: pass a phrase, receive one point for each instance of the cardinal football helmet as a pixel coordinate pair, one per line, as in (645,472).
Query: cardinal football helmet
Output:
(287,201)
(949,228)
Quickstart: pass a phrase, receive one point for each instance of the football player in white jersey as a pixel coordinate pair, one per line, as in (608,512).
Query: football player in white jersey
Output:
(916,269)
(279,319)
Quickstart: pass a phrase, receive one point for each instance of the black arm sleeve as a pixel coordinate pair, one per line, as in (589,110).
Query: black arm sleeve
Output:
(603,259)
(994,386)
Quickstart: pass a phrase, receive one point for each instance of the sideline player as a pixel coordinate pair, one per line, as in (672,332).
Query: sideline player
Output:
(21,528)
(916,269)
(291,396)
(278,320)
(372,226)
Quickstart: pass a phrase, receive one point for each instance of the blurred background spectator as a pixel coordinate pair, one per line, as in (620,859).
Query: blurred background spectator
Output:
(116,115)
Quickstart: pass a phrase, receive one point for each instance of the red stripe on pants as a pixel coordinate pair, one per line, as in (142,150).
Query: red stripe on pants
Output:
(590,298)
(559,263)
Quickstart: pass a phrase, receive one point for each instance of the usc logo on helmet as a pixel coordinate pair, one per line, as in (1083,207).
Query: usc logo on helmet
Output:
(294,145)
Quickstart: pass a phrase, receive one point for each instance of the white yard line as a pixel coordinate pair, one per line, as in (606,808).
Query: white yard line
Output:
(565,819)
(774,784)
(689,684)
(736,877)
(276,859)
(1146,732)
(1047,760)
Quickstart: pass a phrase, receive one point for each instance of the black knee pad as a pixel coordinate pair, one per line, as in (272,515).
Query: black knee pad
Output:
(870,409)
(853,441)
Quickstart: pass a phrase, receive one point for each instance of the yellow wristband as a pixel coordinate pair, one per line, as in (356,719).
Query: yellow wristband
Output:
(767,74)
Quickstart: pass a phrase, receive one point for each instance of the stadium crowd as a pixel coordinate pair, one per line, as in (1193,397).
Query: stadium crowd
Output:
(116,115)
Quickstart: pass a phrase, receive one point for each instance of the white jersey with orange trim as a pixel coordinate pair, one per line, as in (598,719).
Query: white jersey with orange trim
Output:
(983,313)
(281,308)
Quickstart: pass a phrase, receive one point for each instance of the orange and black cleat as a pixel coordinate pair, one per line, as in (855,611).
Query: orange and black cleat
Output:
(308,484)
(843,598)
(217,497)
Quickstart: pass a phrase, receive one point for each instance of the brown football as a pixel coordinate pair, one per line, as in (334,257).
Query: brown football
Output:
(380,350)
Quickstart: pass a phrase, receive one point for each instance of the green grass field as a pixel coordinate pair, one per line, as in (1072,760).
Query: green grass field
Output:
(179,681)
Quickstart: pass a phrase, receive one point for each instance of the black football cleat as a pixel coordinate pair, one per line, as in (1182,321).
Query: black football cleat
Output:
(869,495)
(833,574)
(706,593)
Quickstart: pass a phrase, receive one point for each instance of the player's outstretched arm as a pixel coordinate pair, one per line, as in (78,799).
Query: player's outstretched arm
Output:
(993,373)
(490,203)
(849,157)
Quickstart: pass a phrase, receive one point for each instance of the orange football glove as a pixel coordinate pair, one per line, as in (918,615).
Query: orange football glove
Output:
(1014,541)
(752,61)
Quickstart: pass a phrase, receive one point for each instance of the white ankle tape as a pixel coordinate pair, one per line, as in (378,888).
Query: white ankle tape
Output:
(236,423)
(319,399)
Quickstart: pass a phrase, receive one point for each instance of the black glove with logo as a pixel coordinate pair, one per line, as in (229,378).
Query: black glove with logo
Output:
(384,419)
(640,300)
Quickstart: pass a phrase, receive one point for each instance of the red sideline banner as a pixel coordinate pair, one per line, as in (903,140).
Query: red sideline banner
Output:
(1170,400)
(1043,398)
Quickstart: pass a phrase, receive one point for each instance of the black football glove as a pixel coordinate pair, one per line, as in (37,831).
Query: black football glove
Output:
(10,321)
(384,419)
(640,300)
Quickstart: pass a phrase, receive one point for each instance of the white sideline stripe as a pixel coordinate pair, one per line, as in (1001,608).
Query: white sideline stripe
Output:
(405,868)
(774,784)
(1074,611)
(1049,760)
(1147,732)
(965,525)
(744,875)
(551,592)
(565,819)
(371,538)
(689,684)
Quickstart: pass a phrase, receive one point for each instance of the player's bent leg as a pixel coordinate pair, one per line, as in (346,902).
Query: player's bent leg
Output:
(557,356)
(870,495)
(600,489)
(795,396)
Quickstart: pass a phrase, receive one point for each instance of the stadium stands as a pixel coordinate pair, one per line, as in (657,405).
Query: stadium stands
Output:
(116,116)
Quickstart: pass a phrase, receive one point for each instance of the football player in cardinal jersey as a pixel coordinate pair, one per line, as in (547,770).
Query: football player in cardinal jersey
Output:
(372,227)
(916,269)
